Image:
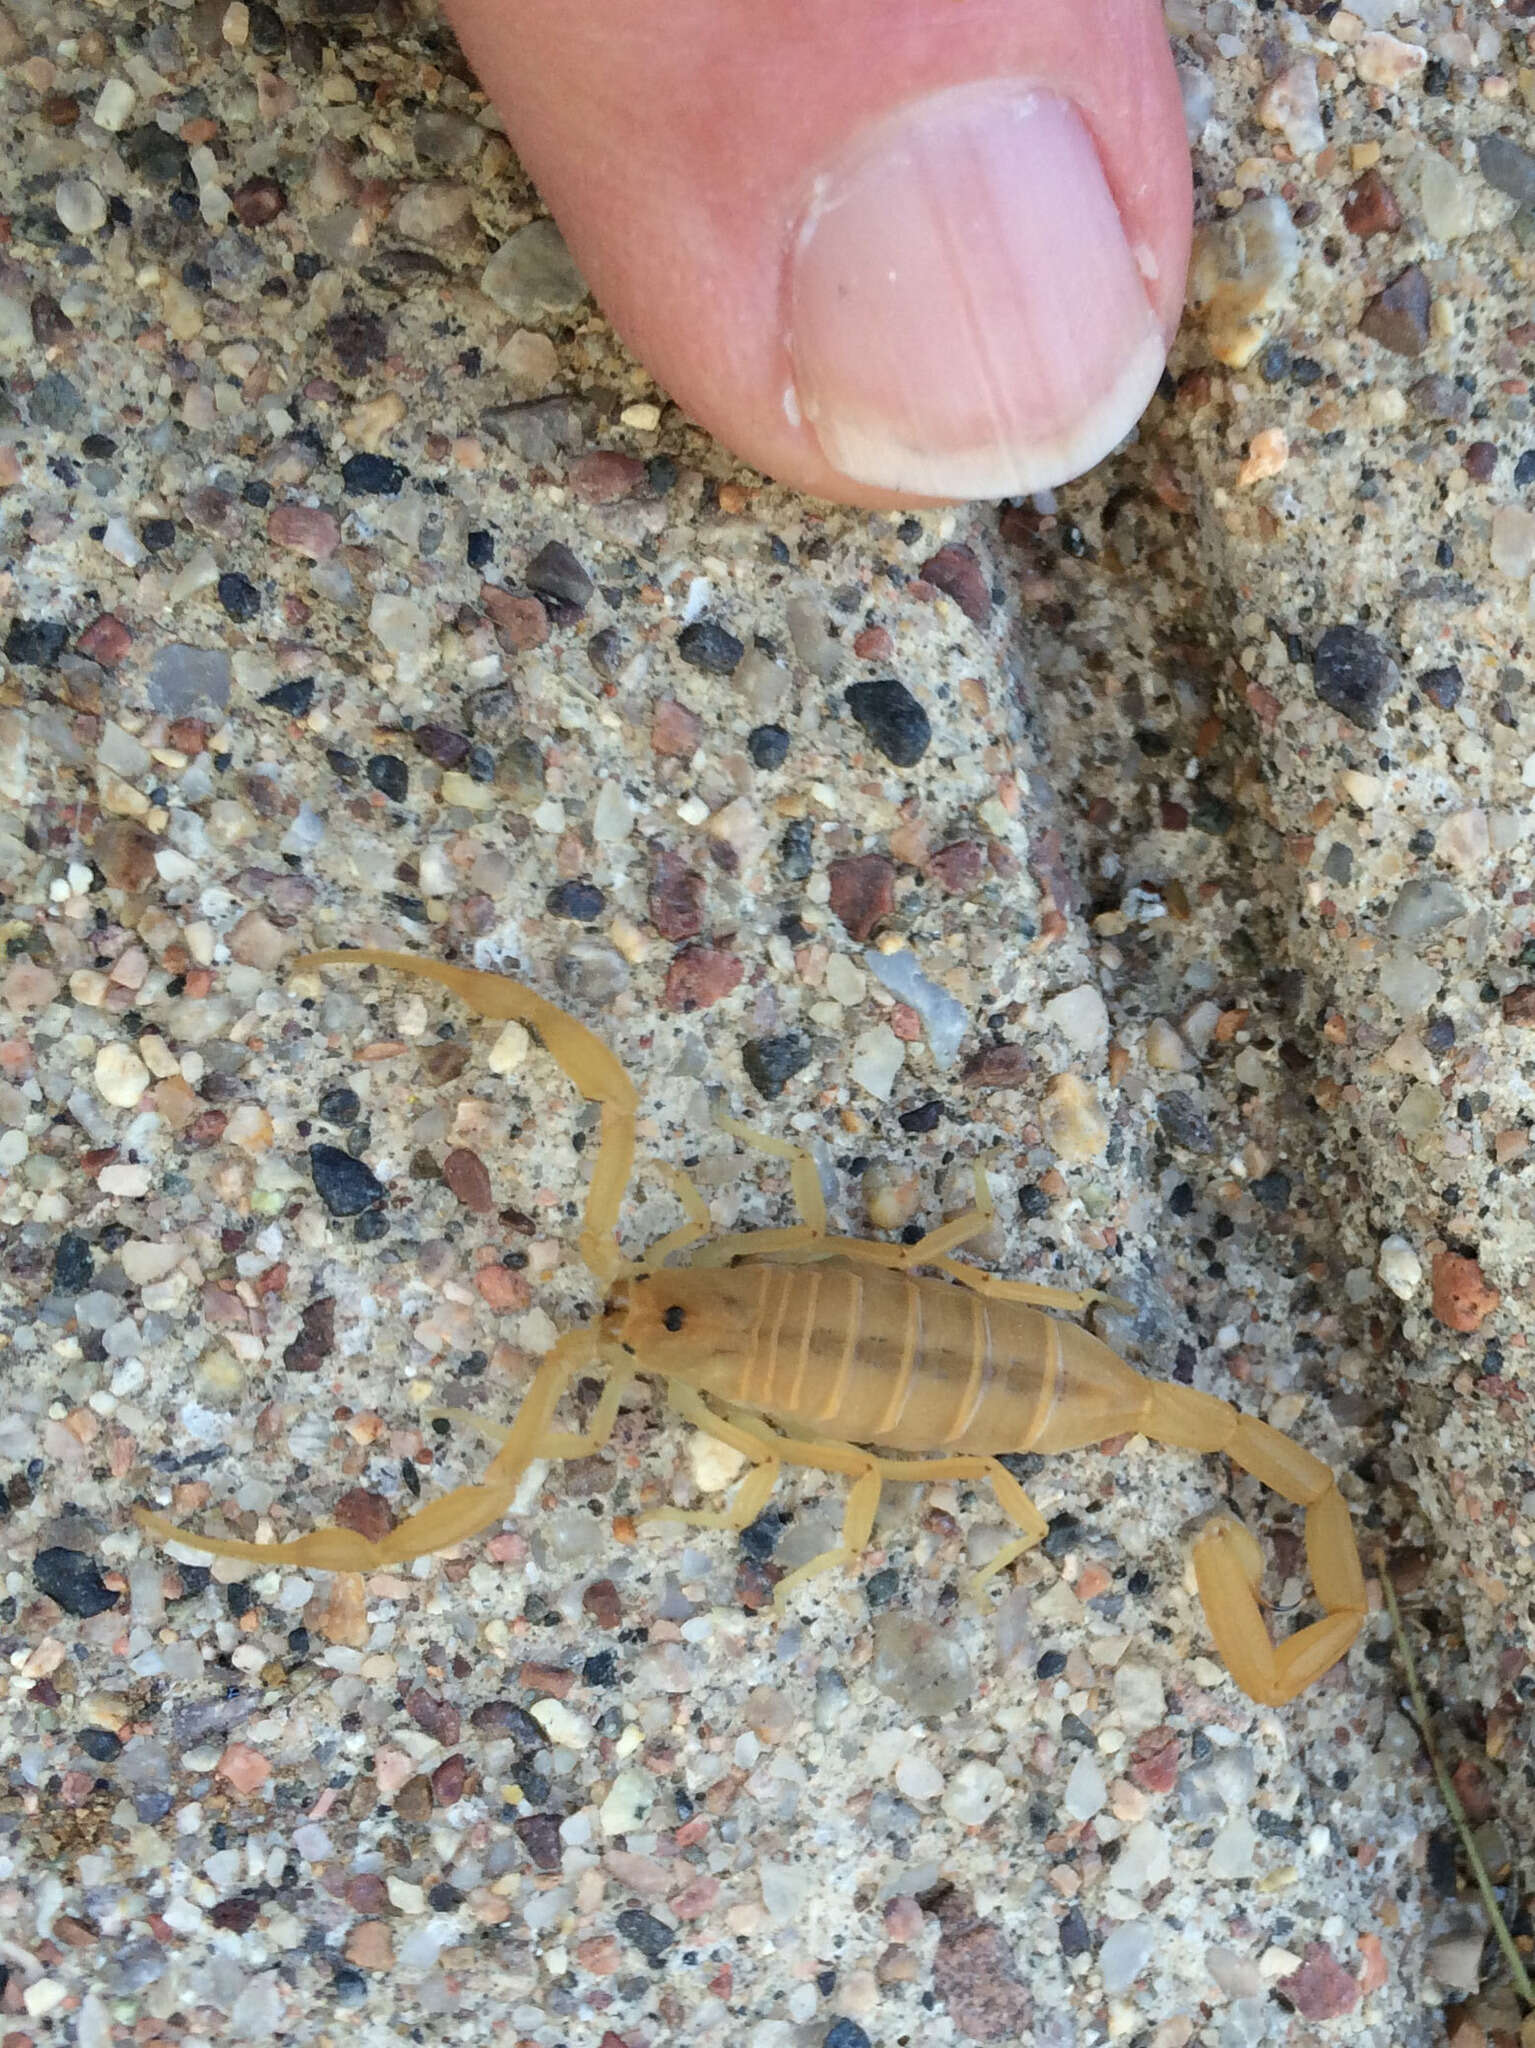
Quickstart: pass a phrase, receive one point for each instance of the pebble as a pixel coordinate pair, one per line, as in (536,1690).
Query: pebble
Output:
(400,626)
(845,2033)
(1508,168)
(1082,1018)
(862,892)
(35,643)
(893,719)
(771,1063)
(876,1060)
(239,596)
(114,103)
(675,730)
(366,475)
(1144,1859)
(1321,1989)
(958,868)
(918,1777)
(1398,317)
(73,1264)
(55,402)
(1139,1700)
(768,746)
(706,645)
(974,1793)
(345,1185)
(591,972)
(554,572)
(389,776)
(924,1669)
(467,1178)
(1074,1127)
(1512,544)
(120,1075)
(184,680)
(1462,1299)
(677,895)
(956,571)
(532,275)
(72,1579)
(1125,1955)
(700,976)
(1423,907)
(581,902)
(1354,674)
(1166,1050)
(612,816)
(1086,1792)
(1291,103)
(1231,1853)
(79,205)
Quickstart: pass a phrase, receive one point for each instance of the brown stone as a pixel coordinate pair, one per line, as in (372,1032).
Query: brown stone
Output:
(449,1780)
(1154,1761)
(370,1946)
(997,1066)
(439,1718)
(258,202)
(231,1916)
(366,1893)
(468,1177)
(605,476)
(316,1338)
(306,529)
(1321,1989)
(1519,1004)
(958,574)
(106,639)
(1398,317)
(125,853)
(675,730)
(600,1600)
(1462,1298)
(862,892)
(520,621)
(676,903)
(413,1801)
(700,976)
(976,1976)
(369,1514)
(443,744)
(958,866)
(1370,208)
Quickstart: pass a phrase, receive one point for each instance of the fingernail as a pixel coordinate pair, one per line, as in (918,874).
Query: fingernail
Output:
(967,317)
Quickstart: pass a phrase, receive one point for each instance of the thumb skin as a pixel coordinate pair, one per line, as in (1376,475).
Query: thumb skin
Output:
(889,252)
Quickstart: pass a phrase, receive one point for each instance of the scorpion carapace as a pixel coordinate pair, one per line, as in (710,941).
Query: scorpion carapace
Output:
(882,1362)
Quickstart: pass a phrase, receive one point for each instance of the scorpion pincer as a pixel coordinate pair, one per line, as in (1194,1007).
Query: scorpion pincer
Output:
(878,1361)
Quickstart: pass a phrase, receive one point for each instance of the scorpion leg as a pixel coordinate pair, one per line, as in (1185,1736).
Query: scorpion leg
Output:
(1228,1566)
(1011,1498)
(441,1523)
(559,1443)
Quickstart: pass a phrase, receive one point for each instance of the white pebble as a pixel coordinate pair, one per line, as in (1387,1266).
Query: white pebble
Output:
(1086,1793)
(1125,1954)
(627,1804)
(714,1464)
(1400,1268)
(1138,1697)
(975,1793)
(121,1076)
(562,1724)
(1166,1050)
(1513,540)
(878,1056)
(1144,1861)
(510,1049)
(1082,1018)
(80,206)
(114,103)
(918,1777)
(1231,1853)
(613,817)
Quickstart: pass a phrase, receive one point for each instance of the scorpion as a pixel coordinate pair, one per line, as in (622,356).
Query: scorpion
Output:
(853,1356)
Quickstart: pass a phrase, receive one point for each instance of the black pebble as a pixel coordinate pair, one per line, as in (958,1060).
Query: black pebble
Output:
(372,476)
(239,596)
(295,698)
(73,1264)
(1064,1531)
(1033,1201)
(158,534)
(153,155)
(1442,686)
(1354,674)
(1524,469)
(772,1062)
(267,34)
(708,646)
(797,855)
(768,746)
(578,901)
(845,2034)
(1051,1665)
(1439,1033)
(922,1119)
(1183,1121)
(881,1587)
(759,1539)
(652,1937)
(1181,1200)
(389,774)
(601,1669)
(343,1183)
(257,493)
(1272,1190)
(73,1579)
(555,572)
(351,1987)
(1075,1939)
(480,550)
(341,1105)
(100,1745)
(370,1226)
(892,718)
(35,643)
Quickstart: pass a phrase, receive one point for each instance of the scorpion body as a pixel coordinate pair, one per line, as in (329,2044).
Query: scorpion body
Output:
(850,1355)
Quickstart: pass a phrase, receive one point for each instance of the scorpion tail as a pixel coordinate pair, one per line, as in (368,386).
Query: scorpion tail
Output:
(1228,1566)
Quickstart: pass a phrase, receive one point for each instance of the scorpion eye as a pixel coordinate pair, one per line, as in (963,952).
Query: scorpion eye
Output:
(673,1319)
